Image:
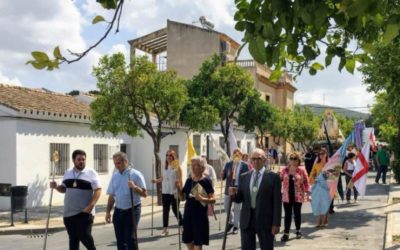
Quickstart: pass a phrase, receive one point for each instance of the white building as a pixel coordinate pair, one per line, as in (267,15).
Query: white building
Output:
(34,123)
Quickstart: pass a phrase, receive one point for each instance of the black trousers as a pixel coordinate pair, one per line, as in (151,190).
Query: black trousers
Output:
(169,200)
(123,226)
(292,207)
(248,236)
(382,169)
(79,228)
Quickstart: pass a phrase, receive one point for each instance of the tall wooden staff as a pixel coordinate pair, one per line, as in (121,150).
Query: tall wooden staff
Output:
(220,202)
(152,196)
(175,164)
(134,227)
(228,212)
(55,158)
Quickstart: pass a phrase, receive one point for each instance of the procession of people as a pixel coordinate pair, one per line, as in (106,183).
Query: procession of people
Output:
(253,198)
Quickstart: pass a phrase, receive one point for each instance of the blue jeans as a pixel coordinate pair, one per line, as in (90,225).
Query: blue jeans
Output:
(123,227)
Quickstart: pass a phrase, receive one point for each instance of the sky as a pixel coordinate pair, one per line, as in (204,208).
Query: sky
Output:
(38,25)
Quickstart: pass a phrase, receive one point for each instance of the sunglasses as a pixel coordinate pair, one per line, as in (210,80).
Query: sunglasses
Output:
(168,155)
(322,153)
(293,158)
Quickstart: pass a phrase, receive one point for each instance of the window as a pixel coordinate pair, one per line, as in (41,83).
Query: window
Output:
(222,142)
(249,149)
(123,148)
(266,142)
(175,148)
(267,98)
(63,163)
(100,153)
(239,144)
(197,144)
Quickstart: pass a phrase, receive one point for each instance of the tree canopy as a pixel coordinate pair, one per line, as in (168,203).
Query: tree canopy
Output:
(136,97)
(292,34)
(216,97)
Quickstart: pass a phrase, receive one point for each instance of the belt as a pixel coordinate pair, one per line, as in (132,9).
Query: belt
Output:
(127,209)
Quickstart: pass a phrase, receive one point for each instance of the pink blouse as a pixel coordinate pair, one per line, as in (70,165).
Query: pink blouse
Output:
(301,184)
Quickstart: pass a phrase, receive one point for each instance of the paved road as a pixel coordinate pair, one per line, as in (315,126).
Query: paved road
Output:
(355,226)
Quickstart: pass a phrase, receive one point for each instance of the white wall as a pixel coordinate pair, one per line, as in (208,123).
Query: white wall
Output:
(140,153)
(33,154)
(7,157)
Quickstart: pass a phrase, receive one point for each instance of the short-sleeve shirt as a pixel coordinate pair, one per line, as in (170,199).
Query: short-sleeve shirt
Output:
(118,187)
(79,190)
(383,157)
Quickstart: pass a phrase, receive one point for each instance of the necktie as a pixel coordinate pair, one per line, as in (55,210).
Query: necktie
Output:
(254,189)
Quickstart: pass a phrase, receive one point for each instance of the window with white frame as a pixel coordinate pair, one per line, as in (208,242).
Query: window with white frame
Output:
(100,154)
(63,162)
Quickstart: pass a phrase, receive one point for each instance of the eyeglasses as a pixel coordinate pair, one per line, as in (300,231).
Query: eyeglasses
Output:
(293,158)
(255,159)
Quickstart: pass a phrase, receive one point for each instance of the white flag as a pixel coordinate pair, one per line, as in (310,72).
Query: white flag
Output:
(359,178)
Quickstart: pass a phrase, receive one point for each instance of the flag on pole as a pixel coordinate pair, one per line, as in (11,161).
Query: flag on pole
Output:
(359,179)
(221,153)
(191,152)
(232,140)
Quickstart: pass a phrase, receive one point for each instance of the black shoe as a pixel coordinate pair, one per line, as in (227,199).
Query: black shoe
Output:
(331,211)
(384,183)
(298,235)
(229,227)
(235,230)
(285,237)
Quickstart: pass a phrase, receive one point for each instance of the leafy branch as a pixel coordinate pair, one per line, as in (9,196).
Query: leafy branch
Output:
(41,60)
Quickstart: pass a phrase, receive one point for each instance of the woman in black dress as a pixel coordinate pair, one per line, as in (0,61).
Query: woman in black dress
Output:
(198,192)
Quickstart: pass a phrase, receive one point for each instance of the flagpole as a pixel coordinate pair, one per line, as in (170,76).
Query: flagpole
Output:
(55,159)
(152,196)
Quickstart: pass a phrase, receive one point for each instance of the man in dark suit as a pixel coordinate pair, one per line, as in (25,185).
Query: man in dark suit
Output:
(259,191)
(231,172)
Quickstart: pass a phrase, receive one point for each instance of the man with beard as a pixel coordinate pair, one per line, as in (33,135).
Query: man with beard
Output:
(82,190)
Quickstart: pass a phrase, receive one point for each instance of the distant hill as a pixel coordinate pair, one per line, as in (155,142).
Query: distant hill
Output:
(318,109)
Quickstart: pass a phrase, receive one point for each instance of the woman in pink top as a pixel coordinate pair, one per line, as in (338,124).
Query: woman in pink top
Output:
(295,188)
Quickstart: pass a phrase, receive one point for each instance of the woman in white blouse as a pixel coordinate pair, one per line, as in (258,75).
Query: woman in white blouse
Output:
(171,173)
(348,169)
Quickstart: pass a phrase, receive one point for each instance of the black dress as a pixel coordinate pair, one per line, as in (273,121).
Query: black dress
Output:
(195,219)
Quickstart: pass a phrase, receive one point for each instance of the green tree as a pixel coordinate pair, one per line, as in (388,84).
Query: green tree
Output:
(381,77)
(256,115)
(283,126)
(135,98)
(345,124)
(306,126)
(216,96)
(291,34)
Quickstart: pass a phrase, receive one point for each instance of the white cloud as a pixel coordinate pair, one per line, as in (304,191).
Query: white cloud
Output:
(10,81)
(120,48)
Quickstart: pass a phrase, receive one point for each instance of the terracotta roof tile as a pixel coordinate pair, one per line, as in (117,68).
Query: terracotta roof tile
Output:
(20,98)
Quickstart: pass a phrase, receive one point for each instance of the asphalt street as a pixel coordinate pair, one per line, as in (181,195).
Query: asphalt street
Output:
(354,226)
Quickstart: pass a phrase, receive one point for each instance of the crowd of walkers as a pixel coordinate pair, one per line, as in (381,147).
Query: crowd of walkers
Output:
(253,196)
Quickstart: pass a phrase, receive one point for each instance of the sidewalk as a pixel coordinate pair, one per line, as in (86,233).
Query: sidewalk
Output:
(37,217)
(392,235)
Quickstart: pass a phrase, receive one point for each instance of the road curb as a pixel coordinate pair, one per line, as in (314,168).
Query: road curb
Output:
(39,232)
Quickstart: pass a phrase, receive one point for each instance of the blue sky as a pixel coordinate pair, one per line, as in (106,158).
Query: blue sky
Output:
(40,25)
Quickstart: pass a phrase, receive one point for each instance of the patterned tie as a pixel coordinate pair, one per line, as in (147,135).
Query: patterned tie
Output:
(254,189)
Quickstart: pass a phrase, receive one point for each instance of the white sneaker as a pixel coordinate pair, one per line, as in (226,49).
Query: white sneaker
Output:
(164,233)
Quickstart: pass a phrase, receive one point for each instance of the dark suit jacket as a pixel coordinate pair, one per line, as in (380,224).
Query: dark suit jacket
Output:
(228,171)
(268,201)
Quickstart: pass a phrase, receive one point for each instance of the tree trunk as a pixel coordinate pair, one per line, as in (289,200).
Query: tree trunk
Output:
(157,158)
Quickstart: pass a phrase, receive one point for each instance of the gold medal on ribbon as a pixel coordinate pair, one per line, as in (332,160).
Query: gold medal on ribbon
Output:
(255,189)
(74,184)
